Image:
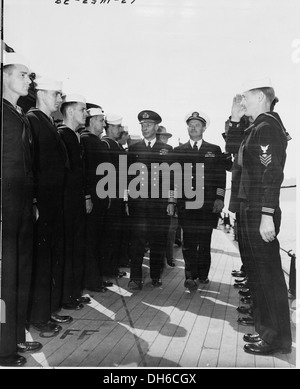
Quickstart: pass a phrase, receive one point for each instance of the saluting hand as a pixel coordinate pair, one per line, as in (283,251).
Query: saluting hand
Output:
(238,109)
(267,228)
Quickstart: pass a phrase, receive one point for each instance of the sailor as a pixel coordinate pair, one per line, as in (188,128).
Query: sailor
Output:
(94,154)
(17,211)
(115,214)
(77,202)
(50,162)
(261,157)
(208,182)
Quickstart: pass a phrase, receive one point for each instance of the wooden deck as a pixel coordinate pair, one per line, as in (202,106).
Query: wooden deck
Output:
(162,327)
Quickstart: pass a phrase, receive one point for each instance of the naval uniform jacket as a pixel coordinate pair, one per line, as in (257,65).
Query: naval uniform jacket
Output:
(262,156)
(151,178)
(211,178)
(17,226)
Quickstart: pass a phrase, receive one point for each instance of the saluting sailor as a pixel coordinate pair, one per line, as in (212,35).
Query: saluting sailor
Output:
(208,182)
(261,157)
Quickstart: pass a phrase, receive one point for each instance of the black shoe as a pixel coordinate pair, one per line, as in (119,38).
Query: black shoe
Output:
(245,293)
(157,282)
(100,289)
(263,348)
(121,274)
(251,338)
(73,306)
(190,284)
(238,273)
(246,300)
(241,285)
(171,262)
(46,327)
(55,318)
(240,280)
(135,285)
(107,283)
(83,300)
(14,360)
(203,280)
(244,310)
(246,321)
(29,347)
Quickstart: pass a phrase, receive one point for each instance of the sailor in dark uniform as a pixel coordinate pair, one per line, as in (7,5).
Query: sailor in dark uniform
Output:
(114,218)
(198,217)
(150,215)
(262,156)
(94,154)
(77,202)
(50,162)
(17,214)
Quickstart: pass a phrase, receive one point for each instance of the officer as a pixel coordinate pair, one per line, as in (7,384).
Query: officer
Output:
(116,212)
(208,181)
(49,164)
(150,215)
(77,202)
(94,150)
(262,156)
(17,211)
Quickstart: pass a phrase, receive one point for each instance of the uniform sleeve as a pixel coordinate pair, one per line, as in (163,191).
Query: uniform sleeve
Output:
(271,156)
(220,175)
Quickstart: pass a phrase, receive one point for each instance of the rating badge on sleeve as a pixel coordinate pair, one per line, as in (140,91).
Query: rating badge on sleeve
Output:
(265,158)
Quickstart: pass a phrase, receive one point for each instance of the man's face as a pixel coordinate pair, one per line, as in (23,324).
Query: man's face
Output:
(250,101)
(115,130)
(163,138)
(149,129)
(52,99)
(196,129)
(98,124)
(16,80)
(79,113)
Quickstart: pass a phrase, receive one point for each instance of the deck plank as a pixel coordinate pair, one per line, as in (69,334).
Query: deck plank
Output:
(161,327)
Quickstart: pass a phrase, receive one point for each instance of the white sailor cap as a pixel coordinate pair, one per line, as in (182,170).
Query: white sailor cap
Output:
(95,111)
(48,84)
(114,119)
(198,115)
(14,59)
(256,84)
(73,98)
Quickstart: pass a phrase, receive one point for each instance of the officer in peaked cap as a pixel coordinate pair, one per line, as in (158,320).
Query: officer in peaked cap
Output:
(198,216)
(150,216)
(149,116)
(17,211)
(198,115)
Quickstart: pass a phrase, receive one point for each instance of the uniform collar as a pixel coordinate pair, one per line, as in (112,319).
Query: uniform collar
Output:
(151,142)
(199,143)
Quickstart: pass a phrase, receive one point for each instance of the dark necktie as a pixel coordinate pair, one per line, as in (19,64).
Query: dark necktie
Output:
(195,147)
(149,146)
